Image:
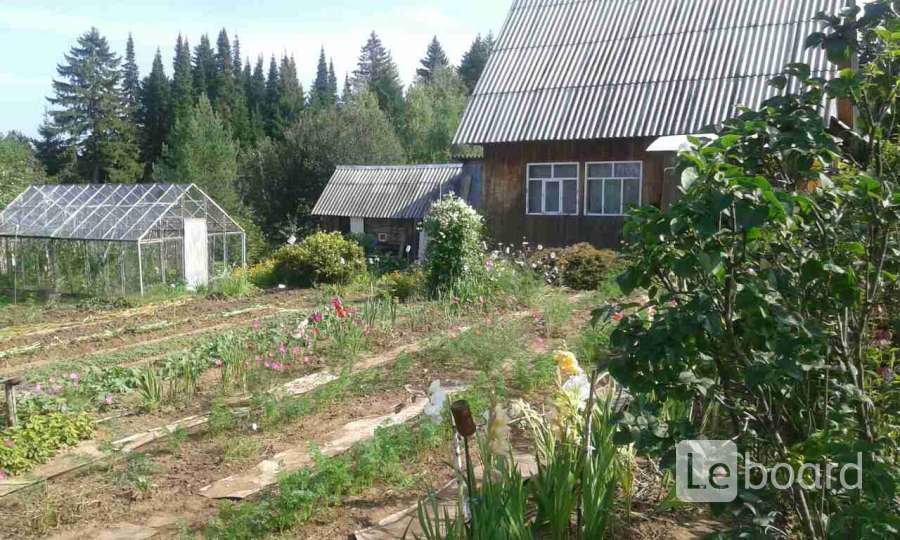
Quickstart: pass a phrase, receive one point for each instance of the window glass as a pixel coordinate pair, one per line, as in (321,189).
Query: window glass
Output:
(539,171)
(631,192)
(595,196)
(565,171)
(534,197)
(599,170)
(551,197)
(627,170)
(612,196)
(570,197)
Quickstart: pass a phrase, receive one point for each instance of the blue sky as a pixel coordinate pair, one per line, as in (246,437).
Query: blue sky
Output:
(34,34)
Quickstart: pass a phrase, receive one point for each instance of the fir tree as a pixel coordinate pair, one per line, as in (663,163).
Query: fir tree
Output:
(272,98)
(131,80)
(291,97)
(435,59)
(204,68)
(201,151)
(238,61)
(474,60)
(154,114)
(182,79)
(256,91)
(318,94)
(347,92)
(51,150)
(89,121)
(377,72)
(223,87)
(332,83)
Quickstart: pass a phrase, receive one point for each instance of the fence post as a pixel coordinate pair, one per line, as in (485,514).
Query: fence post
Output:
(9,386)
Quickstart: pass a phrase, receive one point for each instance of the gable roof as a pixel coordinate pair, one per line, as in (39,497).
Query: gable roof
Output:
(594,69)
(386,191)
(111,212)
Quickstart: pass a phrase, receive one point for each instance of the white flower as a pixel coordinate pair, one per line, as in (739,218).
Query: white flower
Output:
(436,398)
(253,426)
(408,248)
(292,240)
(580,387)
(552,254)
(282,286)
(540,247)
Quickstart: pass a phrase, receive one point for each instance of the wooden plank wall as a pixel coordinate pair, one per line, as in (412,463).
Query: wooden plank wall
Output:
(503,189)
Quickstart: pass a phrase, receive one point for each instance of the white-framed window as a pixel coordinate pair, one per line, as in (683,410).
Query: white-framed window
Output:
(610,187)
(551,188)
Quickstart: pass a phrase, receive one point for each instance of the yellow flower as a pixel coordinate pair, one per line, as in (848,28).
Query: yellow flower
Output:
(567,363)
(498,432)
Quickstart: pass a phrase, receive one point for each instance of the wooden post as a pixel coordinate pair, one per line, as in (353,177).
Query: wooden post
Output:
(9,385)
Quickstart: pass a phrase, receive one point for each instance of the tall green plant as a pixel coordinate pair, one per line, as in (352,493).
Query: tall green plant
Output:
(767,279)
(454,252)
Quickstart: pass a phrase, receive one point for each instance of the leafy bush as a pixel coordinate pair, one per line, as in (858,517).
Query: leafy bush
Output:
(365,241)
(584,267)
(454,247)
(401,285)
(236,284)
(35,440)
(766,282)
(320,258)
(262,274)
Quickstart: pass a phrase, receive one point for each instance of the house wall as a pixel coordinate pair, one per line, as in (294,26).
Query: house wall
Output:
(503,189)
(399,232)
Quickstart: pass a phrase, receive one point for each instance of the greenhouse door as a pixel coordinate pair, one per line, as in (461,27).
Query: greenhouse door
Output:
(196,253)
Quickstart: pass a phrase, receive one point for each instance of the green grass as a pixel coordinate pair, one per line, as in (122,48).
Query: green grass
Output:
(384,460)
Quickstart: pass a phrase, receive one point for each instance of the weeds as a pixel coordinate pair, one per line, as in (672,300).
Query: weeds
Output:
(221,417)
(136,476)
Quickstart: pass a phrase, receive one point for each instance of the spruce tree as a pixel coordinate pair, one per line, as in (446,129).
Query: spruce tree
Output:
(154,114)
(290,94)
(377,72)
(201,151)
(182,94)
(89,119)
(347,92)
(204,68)
(237,60)
(332,83)
(435,59)
(318,94)
(272,98)
(474,60)
(131,80)
(256,92)
(223,86)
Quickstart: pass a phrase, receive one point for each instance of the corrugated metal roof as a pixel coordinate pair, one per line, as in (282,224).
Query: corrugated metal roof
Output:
(592,69)
(387,192)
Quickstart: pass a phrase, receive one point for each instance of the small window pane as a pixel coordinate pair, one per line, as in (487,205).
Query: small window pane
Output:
(612,196)
(539,171)
(628,170)
(570,197)
(600,170)
(631,192)
(595,196)
(565,171)
(551,197)
(534,197)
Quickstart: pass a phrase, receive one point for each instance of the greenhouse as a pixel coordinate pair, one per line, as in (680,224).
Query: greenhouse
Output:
(112,239)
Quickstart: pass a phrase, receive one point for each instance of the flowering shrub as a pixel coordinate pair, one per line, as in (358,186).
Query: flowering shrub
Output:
(454,249)
(319,258)
(401,285)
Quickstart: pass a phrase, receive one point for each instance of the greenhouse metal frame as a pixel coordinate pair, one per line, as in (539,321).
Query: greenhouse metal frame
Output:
(96,225)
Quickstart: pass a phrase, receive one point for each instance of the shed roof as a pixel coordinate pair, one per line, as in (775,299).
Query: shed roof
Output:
(112,212)
(386,191)
(594,69)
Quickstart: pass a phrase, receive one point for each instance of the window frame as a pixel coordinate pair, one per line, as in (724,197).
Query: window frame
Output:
(562,191)
(603,179)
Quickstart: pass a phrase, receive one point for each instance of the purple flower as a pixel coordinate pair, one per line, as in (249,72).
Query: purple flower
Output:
(217,362)
(38,388)
(73,376)
(282,349)
(882,338)
(295,350)
(108,399)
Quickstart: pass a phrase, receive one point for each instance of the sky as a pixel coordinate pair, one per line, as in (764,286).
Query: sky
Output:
(34,35)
